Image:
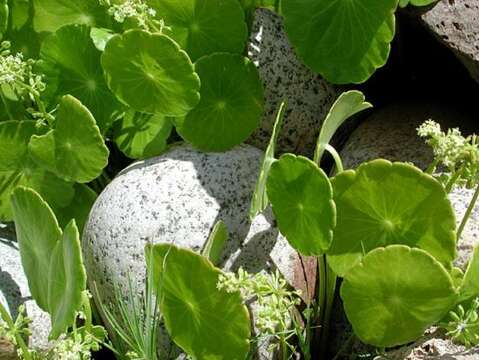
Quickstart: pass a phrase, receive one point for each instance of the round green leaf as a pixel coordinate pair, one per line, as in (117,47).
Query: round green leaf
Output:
(205,322)
(150,73)
(50,15)
(72,52)
(343,40)
(384,203)
(140,135)
(302,200)
(231,103)
(74,149)
(203,27)
(395,293)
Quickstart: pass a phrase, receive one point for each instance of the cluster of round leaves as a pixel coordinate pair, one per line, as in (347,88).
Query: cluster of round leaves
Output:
(387,228)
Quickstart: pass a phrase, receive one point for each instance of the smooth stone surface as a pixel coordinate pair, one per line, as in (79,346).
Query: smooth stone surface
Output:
(390,133)
(14,289)
(456,24)
(177,198)
(286,78)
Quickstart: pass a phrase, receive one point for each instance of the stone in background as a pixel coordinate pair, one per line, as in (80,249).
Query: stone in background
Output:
(14,289)
(456,24)
(286,78)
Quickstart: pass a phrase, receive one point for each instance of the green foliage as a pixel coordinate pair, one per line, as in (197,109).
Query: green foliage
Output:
(302,200)
(204,27)
(470,283)
(343,40)
(51,259)
(205,322)
(347,105)
(150,73)
(404,3)
(260,197)
(395,293)
(383,203)
(50,15)
(140,135)
(72,53)
(215,243)
(463,323)
(231,103)
(74,149)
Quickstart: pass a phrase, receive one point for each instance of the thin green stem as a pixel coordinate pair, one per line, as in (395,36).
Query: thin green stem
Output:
(468,213)
(20,342)
(7,107)
(452,181)
(336,157)
(432,167)
(87,311)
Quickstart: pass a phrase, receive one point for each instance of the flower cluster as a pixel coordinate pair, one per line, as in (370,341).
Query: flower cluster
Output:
(275,302)
(459,154)
(20,328)
(133,9)
(77,346)
(464,325)
(17,73)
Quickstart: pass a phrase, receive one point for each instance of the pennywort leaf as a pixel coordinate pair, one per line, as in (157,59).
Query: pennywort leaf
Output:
(231,103)
(150,73)
(343,40)
(74,149)
(205,322)
(395,293)
(470,284)
(216,242)
(203,27)
(302,200)
(383,203)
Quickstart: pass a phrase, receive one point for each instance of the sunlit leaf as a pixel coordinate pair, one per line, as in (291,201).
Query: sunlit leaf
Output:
(302,200)
(231,103)
(394,294)
(205,322)
(383,203)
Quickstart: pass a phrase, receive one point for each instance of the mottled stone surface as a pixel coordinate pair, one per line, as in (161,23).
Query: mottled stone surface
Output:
(14,289)
(456,24)
(286,78)
(177,198)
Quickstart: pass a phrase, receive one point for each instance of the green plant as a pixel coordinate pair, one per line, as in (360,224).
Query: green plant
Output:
(388,229)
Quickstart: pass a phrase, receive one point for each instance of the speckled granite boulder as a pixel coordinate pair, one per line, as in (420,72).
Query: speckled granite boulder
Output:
(14,290)
(456,24)
(286,78)
(177,198)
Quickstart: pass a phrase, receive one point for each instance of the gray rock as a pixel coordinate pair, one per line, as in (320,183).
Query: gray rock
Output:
(286,78)
(14,290)
(177,198)
(456,24)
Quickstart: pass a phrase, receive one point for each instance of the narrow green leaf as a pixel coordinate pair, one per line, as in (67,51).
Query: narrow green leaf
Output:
(205,322)
(260,197)
(67,280)
(302,200)
(347,105)
(204,27)
(470,284)
(395,293)
(231,103)
(150,73)
(75,149)
(38,234)
(216,241)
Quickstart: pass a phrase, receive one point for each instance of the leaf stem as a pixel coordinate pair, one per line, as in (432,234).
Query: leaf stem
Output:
(20,342)
(432,167)
(87,311)
(452,181)
(336,157)
(468,213)
(7,108)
